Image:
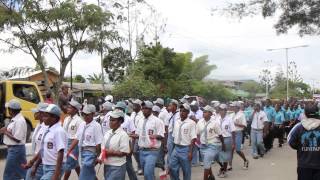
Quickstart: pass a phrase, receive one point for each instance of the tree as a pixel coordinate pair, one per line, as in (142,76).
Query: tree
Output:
(95,78)
(293,73)
(266,79)
(17,71)
(62,27)
(76,79)
(21,30)
(292,13)
(116,62)
(252,87)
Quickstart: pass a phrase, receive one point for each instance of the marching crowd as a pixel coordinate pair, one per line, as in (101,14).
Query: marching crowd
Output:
(173,136)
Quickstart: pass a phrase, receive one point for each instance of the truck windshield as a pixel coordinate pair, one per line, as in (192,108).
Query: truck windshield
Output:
(26,92)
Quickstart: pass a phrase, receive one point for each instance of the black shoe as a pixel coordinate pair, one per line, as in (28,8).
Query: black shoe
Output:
(280,145)
(211,178)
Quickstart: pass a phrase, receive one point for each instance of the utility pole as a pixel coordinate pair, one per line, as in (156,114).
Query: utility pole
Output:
(268,62)
(287,61)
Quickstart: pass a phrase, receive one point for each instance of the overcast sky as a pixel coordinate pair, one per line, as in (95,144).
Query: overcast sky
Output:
(238,48)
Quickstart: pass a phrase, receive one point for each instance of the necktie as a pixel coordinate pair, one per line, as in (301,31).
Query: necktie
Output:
(107,145)
(68,124)
(42,142)
(82,137)
(180,134)
(34,138)
(171,118)
(206,133)
(144,133)
(134,119)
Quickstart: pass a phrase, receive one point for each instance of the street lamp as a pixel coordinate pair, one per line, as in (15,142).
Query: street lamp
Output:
(287,60)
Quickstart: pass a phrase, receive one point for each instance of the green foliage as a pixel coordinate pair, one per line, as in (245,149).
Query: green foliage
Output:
(95,78)
(252,87)
(163,72)
(116,62)
(76,79)
(303,14)
(135,86)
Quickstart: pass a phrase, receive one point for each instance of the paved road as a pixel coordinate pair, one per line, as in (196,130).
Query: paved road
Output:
(279,164)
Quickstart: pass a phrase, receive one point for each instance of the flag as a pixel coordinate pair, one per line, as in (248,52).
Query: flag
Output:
(73,156)
(104,154)
(163,175)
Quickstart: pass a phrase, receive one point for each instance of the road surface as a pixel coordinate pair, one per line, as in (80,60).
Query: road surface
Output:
(279,164)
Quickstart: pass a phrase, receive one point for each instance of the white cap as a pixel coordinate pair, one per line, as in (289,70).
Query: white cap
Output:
(156,109)
(223,106)
(53,109)
(88,109)
(159,101)
(186,97)
(109,98)
(75,104)
(147,104)
(40,107)
(13,104)
(208,108)
(117,114)
(107,106)
(185,106)
(194,103)
(173,101)
(137,101)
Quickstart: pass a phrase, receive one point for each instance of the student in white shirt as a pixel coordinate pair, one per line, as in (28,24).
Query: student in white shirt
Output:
(150,131)
(115,148)
(240,122)
(35,171)
(259,122)
(163,115)
(71,124)
(15,135)
(174,116)
(135,116)
(156,111)
(211,139)
(106,111)
(129,127)
(89,139)
(228,133)
(195,114)
(184,134)
(53,144)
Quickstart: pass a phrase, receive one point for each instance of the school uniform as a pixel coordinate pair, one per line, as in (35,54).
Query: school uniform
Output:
(209,132)
(163,115)
(129,127)
(172,118)
(115,167)
(105,123)
(278,130)
(135,118)
(71,125)
(195,154)
(227,127)
(184,133)
(268,139)
(16,151)
(257,125)
(53,140)
(89,136)
(239,118)
(36,146)
(149,148)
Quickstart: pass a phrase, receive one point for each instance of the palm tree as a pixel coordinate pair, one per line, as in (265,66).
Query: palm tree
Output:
(95,78)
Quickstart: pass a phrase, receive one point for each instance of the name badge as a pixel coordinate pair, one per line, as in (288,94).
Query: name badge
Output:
(88,137)
(150,132)
(211,130)
(50,145)
(226,127)
(39,137)
(73,127)
(185,131)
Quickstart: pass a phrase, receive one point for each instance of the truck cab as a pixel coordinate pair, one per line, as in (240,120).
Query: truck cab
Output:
(27,93)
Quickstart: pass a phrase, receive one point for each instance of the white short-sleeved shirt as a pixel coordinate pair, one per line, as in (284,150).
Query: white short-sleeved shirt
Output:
(118,142)
(105,122)
(227,126)
(54,141)
(136,117)
(258,120)
(163,115)
(71,125)
(213,131)
(154,126)
(173,117)
(37,137)
(198,114)
(188,132)
(91,133)
(239,118)
(18,128)
(128,125)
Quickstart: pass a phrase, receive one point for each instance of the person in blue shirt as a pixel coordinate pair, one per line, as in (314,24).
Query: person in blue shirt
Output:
(278,124)
(248,111)
(287,120)
(268,139)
